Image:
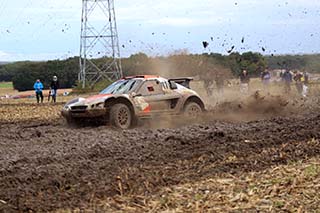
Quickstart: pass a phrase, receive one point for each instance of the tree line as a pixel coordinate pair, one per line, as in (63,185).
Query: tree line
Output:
(23,74)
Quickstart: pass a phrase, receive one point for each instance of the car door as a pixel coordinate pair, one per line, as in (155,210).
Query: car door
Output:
(159,96)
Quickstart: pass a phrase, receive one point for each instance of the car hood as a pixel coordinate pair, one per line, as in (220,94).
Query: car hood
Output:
(96,98)
(89,100)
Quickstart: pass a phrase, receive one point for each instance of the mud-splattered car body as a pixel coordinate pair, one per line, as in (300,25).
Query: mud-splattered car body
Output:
(131,98)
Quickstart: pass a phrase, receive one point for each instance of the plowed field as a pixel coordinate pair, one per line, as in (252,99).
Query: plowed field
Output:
(236,157)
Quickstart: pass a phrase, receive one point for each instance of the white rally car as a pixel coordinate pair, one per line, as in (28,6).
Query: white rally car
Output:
(135,97)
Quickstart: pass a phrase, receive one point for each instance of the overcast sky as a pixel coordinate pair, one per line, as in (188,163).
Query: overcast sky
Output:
(50,29)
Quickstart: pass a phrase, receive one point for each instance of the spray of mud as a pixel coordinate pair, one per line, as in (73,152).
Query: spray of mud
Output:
(251,108)
(181,64)
(228,104)
(235,108)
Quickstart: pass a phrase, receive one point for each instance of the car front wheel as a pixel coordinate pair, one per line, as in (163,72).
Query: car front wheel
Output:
(120,116)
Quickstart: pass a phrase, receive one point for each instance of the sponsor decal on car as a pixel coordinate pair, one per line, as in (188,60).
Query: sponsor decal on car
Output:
(142,105)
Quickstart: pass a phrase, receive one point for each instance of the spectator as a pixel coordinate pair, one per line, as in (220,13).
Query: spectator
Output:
(298,79)
(287,79)
(54,86)
(305,78)
(265,78)
(305,82)
(38,86)
(244,82)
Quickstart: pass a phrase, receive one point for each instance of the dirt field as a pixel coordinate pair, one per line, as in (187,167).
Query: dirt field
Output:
(256,153)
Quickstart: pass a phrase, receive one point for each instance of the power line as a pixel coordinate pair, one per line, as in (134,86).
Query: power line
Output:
(99,41)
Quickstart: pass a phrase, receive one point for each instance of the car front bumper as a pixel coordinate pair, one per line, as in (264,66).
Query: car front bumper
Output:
(87,113)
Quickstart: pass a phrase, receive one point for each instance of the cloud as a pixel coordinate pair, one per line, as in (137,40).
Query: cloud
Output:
(10,56)
(292,22)
(304,3)
(182,22)
(3,54)
(172,13)
(207,12)
(39,27)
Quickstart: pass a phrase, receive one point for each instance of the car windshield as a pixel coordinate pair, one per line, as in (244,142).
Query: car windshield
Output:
(121,87)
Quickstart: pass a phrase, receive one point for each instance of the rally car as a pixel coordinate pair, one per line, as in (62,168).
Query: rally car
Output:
(129,99)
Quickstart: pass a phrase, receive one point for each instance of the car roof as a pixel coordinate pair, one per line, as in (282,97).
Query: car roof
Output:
(143,76)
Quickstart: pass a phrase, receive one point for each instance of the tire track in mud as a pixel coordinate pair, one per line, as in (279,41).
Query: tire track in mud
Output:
(46,166)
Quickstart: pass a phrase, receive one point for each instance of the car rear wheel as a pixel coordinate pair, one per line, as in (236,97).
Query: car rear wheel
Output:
(120,116)
(192,109)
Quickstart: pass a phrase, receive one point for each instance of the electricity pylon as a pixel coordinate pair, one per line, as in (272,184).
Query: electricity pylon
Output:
(99,45)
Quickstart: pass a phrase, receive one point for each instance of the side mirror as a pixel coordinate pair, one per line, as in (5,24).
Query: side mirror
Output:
(173,85)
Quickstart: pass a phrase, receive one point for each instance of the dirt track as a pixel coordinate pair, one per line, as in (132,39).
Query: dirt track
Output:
(46,165)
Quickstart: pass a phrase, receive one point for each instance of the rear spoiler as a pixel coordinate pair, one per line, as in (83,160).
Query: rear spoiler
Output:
(182,81)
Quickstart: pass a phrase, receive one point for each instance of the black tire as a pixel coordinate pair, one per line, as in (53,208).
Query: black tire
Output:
(192,109)
(121,116)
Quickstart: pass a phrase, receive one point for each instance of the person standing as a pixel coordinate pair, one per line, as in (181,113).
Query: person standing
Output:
(305,86)
(54,86)
(244,82)
(287,79)
(265,78)
(298,79)
(305,78)
(38,87)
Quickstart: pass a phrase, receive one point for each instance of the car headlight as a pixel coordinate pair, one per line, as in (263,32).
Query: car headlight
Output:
(98,106)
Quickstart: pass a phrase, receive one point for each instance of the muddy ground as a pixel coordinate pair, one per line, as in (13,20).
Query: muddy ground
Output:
(46,165)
